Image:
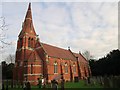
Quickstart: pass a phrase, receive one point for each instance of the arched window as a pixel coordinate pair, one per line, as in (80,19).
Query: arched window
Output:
(20,42)
(21,63)
(55,67)
(66,68)
(32,42)
(29,42)
(74,68)
(85,72)
(18,63)
(31,68)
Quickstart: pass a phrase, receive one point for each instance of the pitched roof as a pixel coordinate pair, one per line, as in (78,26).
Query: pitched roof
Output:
(57,52)
(81,57)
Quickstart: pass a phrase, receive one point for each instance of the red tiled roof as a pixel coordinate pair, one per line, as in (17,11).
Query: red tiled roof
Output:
(58,52)
(81,57)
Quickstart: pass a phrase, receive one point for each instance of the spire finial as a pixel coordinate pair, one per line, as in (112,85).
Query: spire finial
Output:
(29,8)
(68,47)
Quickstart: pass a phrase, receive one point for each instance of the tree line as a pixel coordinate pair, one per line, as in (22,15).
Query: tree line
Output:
(7,70)
(107,65)
(8,66)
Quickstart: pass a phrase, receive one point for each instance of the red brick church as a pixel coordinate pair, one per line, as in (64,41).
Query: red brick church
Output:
(34,58)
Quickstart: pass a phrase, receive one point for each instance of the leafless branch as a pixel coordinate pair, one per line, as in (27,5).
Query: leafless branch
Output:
(5,42)
(3,28)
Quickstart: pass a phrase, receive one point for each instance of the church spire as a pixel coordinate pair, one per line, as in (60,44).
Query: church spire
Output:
(29,14)
(27,27)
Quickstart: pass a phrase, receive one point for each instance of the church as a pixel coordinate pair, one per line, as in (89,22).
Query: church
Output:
(34,58)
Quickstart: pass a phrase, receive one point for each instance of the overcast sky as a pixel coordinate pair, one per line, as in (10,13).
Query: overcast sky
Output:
(91,26)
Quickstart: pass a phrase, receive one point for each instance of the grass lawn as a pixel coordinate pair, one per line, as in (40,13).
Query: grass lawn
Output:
(80,84)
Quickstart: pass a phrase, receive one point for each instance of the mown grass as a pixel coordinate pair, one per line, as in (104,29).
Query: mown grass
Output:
(80,84)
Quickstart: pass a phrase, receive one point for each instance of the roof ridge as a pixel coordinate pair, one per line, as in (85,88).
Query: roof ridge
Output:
(43,47)
(72,53)
(57,52)
(54,46)
(83,57)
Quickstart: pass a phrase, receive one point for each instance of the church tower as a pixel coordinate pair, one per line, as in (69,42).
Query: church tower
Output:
(28,65)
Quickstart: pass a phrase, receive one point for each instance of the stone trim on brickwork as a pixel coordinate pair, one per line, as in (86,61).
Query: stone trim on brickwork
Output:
(33,66)
(32,74)
(31,81)
(28,18)
(25,48)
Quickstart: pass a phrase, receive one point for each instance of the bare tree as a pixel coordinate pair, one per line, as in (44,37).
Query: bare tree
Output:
(10,58)
(3,38)
(3,28)
(87,55)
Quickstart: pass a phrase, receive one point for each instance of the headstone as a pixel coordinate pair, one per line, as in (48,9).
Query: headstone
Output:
(39,82)
(28,86)
(62,84)
(3,87)
(76,79)
(54,84)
